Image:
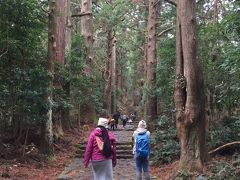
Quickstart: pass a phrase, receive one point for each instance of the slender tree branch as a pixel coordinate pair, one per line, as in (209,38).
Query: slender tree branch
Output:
(4,53)
(223,146)
(156,3)
(165,31)
(82,14)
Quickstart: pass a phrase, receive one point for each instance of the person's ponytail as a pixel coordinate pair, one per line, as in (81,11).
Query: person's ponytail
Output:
(107,150)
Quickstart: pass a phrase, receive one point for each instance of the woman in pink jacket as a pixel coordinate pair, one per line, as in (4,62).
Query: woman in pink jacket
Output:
(101,149)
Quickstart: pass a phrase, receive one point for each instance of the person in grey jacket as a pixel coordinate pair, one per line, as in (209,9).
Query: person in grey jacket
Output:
(142,163)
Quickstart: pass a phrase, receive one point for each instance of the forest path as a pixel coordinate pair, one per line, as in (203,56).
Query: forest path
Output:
(124,170)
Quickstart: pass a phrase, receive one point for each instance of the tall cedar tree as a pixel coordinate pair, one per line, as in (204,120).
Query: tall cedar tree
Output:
(151,57)
(189,91)
(47,129)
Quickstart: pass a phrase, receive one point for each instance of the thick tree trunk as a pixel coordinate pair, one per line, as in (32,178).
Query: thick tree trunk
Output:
(67,42)
(61,14)
(68,30)
(87,33)
(119,80)
(87,27)
(143,63)
(189,92)
(61,19)
(108,74)
(151,101)
(114,77)
(46,128)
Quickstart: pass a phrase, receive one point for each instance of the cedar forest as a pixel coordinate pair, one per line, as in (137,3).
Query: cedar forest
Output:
(64,63)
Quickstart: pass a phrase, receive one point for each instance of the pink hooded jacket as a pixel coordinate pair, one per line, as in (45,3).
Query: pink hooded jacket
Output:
(92,151)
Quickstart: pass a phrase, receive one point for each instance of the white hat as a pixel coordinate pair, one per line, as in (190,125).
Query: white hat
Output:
(103,122)
(142,124)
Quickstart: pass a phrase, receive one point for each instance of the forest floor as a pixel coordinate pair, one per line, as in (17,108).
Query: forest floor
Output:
(36,167)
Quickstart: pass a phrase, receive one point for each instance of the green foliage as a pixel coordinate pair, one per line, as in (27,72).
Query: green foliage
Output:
(228,90)
(219,49)
(23,76)
(127,21)
(165,142)
(223,169)
(61,99)
(184,175)
(84,88)
(166,74)
(224,132)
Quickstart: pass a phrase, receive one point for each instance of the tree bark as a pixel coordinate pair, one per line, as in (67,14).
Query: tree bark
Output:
(68,30)
(61,16)
(67,42)
(46,127)
(215,11)
(61,19)
(143,63)
(87,27)
(151,100)
(189,92)
(108,73)
(114,77)
(119,80)
(87,109)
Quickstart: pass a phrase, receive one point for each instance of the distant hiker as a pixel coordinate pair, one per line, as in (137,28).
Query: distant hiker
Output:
(141,150)
(101,150)
(124,120)
(112,124)
(133,116)
(116,116)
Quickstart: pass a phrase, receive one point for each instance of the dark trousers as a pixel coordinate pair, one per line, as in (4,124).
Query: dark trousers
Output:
(142,165)
(112,126)
(124,123)
(116,123)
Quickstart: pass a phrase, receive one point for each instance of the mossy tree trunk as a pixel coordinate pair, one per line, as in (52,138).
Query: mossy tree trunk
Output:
(189,91)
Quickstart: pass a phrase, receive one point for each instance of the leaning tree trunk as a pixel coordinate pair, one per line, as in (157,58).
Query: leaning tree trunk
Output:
(151,101)
(46,128)
(189,92)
